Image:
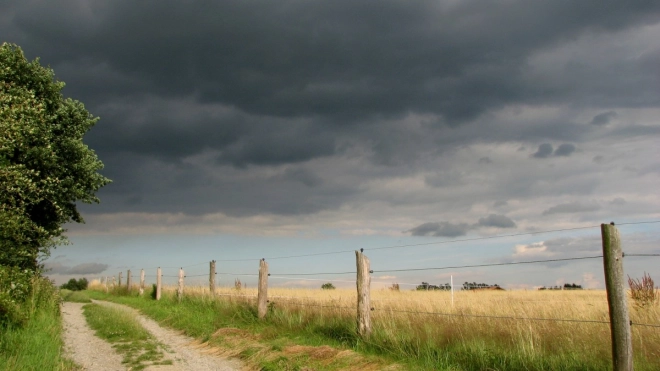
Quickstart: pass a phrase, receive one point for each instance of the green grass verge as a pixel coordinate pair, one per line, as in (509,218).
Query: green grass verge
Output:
(75,296)
(201,317)
(128,337)
(35,344)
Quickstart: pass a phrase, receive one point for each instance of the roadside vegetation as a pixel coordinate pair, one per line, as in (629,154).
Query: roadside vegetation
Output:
(74,296)
(45,170)
(31,340)
(120,328)
(482,330)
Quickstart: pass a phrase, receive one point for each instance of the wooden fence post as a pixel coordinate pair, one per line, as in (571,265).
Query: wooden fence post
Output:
(179,292)
(364,295)
(159,283)
(141,281)
(212,277)
(262,295)
(129,280)
(113,281)
(622,354)
(120,273)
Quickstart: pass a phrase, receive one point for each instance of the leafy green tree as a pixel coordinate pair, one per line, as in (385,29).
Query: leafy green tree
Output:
(45,168)
(328,286)
(76,285)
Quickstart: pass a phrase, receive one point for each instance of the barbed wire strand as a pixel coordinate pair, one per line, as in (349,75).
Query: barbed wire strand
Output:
(486,265)
(494,317)
(644,325)
(310,279)
(319,274)
(642,222)
(647,255)
(316,305)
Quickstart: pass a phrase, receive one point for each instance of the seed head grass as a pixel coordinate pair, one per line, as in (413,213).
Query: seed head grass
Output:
(506,330)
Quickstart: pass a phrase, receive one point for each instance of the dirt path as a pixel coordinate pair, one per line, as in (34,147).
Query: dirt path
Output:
(92,353)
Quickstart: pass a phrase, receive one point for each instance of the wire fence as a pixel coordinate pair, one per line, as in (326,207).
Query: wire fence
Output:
(323,276)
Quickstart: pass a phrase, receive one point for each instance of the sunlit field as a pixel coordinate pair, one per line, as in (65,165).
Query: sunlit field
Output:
(499,329)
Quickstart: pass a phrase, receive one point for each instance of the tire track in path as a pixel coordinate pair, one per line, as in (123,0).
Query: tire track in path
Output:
(92,353)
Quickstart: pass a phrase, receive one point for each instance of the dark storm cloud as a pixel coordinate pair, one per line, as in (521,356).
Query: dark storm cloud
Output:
(572,207)
(340,58)
(603,119)
(442,229)
(88,268)
(565,149)
(447,229)
(251,84)
(545,150)
(498,221)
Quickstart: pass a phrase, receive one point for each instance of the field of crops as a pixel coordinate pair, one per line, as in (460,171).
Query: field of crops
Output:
(536,330)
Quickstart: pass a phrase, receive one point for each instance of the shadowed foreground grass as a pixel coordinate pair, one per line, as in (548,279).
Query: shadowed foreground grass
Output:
(462,337)
(35,344)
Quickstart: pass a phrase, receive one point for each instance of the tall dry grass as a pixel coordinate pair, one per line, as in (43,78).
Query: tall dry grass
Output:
(533,325)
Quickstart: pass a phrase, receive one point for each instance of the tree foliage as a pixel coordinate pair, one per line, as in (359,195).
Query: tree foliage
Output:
(76,285)
(328,286)
(45,168)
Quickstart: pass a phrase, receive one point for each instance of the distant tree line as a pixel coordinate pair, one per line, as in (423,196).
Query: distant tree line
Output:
(425,286)
(567,286)
(478,286)
(76,285)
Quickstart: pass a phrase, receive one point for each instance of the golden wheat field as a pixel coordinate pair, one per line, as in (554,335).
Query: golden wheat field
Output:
(530,322)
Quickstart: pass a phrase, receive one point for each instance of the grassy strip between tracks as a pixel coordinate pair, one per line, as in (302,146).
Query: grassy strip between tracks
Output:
(120,327)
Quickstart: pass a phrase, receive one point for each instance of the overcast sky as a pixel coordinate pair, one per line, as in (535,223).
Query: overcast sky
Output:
(245,129)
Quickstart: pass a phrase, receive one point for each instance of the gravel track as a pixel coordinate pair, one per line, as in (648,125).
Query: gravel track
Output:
(92,353)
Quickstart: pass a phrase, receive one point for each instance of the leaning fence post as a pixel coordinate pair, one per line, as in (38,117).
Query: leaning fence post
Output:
(120,273)
(212,277)
(262,295)
(159,283)
(364,296)
(179,292)
(129,280)
(622,355)
(141,281)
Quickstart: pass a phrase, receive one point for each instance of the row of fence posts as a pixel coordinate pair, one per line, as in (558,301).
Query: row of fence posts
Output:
(620,325)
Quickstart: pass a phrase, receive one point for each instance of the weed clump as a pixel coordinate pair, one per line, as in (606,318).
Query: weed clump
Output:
(643,291)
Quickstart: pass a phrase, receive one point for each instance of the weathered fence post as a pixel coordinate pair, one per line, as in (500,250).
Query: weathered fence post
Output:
(364,296)
(129,280)
(113,281)
(622,355)
(262,295)
(141,281)
(159,283)
(120,273)
(179,292)
(212,277)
